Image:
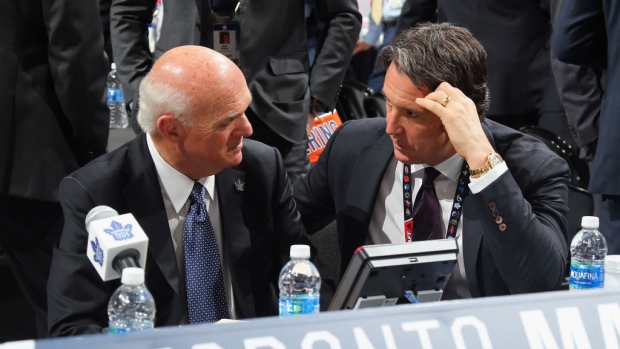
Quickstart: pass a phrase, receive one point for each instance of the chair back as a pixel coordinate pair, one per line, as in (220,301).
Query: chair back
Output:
(350,101)
(580,174)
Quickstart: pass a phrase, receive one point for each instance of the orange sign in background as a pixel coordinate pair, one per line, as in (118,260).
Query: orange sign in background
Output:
(322,129)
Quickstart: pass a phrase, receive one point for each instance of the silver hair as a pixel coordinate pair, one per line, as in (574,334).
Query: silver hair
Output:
(157,97)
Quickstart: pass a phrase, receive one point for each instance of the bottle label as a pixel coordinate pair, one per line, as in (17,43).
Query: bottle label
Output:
(586,275)
(129,325)
(302,304)
(115,95)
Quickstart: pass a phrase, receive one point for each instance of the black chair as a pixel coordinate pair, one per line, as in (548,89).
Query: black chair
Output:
(374,106)
(350,101)
(580,201)
(326,242)
(580,174)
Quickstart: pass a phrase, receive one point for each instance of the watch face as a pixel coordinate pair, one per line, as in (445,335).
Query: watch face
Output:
(495,159)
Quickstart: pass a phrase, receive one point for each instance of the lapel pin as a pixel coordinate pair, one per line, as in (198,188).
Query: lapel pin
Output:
(239,185)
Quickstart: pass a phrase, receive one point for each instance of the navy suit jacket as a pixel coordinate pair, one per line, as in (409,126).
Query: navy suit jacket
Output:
(259,224)
(581,36)
(529,256)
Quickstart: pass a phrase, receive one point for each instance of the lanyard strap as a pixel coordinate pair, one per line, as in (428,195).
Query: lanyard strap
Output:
(457,204)
(407,203)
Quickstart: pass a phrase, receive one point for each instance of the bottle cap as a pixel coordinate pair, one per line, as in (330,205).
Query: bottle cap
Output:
(132,276)
(300,251)
(113,66)
(589,222)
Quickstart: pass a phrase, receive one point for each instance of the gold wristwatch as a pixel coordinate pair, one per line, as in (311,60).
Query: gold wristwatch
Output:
(493,160)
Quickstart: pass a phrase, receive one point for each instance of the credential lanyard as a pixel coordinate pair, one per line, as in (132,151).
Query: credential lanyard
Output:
(457,204)
(224,21)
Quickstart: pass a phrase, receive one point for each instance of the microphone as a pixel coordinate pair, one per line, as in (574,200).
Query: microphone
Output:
(114,242)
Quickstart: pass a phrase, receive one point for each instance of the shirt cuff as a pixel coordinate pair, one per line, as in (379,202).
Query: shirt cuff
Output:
(476,185)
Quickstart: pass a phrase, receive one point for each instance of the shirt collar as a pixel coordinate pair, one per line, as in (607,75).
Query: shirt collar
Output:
(176,185)
(450,167)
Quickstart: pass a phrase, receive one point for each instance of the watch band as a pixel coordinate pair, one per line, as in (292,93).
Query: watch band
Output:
(493,159)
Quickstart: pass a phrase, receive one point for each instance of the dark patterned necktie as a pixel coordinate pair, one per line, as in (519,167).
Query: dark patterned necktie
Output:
(206,300)
(426,212)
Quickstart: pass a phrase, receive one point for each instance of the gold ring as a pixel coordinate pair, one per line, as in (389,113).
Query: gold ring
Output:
(446,101)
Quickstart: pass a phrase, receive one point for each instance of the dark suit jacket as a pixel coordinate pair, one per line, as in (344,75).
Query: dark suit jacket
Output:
(274,56)
(53,81)
(530,255)
(515,35)
(586,33)
(581,90)
(259,225)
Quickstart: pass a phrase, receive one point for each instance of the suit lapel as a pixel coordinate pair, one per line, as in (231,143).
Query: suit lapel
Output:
(365,181)
(368,174)
(143,196)
(236,239)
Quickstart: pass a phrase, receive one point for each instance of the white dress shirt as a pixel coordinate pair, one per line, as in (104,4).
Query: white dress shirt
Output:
(387,221)
(175,190)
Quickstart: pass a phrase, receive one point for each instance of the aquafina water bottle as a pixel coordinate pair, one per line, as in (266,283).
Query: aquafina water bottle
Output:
(588,250)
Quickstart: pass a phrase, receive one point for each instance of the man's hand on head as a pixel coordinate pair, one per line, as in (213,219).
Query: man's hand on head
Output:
(460,118)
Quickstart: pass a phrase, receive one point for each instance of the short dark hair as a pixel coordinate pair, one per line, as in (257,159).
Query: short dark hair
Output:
(431,53)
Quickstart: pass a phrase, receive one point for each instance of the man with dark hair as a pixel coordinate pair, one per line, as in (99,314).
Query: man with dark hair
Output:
(515,35)
(500,193)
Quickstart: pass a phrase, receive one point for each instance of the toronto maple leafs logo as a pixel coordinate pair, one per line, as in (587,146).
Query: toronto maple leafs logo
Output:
(98,251)
(118,232)
(239,185)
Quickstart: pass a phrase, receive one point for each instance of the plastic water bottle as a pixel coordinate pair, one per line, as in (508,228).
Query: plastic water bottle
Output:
(588,250)
(131,307)
(116,101)
(299,284)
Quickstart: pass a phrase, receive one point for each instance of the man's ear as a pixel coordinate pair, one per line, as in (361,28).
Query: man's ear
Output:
(170,128)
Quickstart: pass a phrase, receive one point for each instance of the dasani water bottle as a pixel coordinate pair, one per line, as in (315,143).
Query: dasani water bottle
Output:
(131,307)
(299,284)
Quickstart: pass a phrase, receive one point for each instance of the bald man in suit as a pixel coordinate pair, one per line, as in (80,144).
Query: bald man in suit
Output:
(193,114)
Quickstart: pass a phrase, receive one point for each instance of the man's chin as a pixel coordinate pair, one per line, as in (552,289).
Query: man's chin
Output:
(236,160)
(402,158)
